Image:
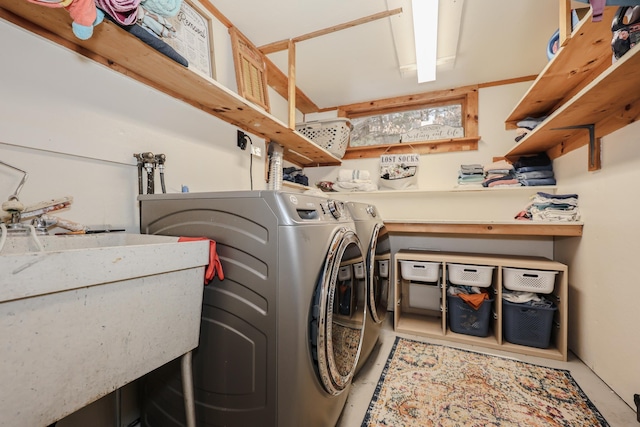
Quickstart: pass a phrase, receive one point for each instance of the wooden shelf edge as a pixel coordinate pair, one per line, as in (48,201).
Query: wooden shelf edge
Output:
(522,228)
(609,102)
(584,55)
(115,48)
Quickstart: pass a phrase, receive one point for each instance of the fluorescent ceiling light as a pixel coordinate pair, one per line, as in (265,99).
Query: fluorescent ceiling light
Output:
(425,31)
(449,14)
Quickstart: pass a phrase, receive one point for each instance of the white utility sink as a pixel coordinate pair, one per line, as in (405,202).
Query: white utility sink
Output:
(90,314)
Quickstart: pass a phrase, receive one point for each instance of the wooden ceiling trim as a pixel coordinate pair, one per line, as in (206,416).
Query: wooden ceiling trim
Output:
(284,44)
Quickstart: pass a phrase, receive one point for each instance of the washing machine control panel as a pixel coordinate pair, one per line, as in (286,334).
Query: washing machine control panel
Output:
(334,207)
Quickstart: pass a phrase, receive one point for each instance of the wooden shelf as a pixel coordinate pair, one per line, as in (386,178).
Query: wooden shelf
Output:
(511,228)
(117,49)
(580,87)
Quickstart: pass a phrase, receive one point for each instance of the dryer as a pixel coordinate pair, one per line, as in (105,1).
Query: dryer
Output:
(377,247)
(281,334)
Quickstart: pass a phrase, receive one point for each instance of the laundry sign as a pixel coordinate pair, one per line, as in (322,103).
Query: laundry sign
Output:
(433,132)
(399,171)
(405,159)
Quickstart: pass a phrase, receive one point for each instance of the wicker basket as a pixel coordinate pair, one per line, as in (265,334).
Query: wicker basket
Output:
(332,135)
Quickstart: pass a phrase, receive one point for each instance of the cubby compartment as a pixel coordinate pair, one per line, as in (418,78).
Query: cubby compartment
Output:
(425,308)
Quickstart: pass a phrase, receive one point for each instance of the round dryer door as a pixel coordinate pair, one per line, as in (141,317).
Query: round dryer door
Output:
(378,262)
(337,324)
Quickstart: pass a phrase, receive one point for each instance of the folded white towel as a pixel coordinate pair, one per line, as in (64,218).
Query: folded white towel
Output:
(353,175)
(352,186)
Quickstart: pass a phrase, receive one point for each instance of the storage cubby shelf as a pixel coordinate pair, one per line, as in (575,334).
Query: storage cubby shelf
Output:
(580,87)
(436,326)
(124,53)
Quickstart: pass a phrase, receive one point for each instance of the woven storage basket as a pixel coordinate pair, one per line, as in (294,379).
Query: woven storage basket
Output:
(332,135)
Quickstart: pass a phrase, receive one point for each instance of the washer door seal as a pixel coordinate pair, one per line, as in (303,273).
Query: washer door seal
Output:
(338,312)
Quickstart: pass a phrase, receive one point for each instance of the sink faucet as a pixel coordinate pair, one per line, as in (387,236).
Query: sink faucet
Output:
(13,206)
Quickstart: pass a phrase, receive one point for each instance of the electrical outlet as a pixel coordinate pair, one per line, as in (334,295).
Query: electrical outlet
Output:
(256,151)
(242,140)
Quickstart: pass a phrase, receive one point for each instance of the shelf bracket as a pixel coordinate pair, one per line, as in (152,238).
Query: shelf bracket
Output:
(595,146)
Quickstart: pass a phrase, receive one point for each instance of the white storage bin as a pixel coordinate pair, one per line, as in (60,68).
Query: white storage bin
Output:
(424,296)
(470,275)
(420,271)
(518,279)
(383,266)
(358,270)
(344,273)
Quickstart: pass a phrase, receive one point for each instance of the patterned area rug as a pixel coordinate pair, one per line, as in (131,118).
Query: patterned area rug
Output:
(426,385)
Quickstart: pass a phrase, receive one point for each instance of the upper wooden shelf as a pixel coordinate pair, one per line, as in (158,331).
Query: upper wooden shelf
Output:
(580,87)
(122,52)
(501,228)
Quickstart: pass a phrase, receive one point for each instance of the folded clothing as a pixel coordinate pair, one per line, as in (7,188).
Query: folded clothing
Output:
(124,12)
(540,159)
(500,165)
(152,41)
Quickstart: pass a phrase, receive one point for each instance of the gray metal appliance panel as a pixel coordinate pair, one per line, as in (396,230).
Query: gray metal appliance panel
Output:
(251,378)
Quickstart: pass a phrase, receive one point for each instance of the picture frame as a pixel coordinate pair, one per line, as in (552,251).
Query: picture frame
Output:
(194,37)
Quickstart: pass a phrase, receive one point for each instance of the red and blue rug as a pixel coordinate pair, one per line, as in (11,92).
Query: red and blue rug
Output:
(424,385)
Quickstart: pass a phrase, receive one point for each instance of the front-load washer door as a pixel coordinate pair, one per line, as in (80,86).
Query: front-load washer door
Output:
(378,261)
(338,313)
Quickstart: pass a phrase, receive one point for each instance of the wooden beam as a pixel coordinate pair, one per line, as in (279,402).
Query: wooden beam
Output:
(284,44)
(292,85)
(279,82)
(565,22)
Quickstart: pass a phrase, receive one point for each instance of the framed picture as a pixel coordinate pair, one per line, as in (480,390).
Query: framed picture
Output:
(194,37)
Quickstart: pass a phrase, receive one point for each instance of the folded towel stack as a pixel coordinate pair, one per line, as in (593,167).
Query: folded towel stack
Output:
(551,207)
(354,180)
(499,173)
(472,174)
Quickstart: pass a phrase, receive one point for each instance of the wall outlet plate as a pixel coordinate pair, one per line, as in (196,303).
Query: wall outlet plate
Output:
(242,140)
(256,151)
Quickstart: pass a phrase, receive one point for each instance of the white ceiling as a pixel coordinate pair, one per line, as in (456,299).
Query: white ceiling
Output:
(498,39)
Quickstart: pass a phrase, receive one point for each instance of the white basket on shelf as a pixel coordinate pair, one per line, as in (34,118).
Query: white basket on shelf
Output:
(420,271)
(540,281)
(332,135)
(470,275)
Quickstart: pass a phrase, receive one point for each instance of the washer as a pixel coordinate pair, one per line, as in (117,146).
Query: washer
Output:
(376,245)
(281,334)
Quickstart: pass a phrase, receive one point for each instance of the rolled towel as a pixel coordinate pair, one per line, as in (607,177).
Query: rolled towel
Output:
(167,8)
(353,175)
(124,12)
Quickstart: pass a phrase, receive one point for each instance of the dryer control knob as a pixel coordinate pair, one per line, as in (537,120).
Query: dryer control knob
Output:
(336,208)
(371,210)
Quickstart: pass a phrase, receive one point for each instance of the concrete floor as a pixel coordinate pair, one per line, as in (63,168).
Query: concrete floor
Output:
(610,405)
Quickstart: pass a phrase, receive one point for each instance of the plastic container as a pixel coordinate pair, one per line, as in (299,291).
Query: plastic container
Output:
(420,271)
(464,319)
(424,296)
(332,135)
(383,268)
(518,279)
(527,325)
(358,270)
(470,275)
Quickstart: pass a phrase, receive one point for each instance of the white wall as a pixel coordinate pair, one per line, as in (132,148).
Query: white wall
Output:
(603,276)
(74,126)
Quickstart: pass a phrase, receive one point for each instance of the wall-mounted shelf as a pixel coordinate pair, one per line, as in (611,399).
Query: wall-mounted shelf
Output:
(580,87)
(122,52)
(498,228)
